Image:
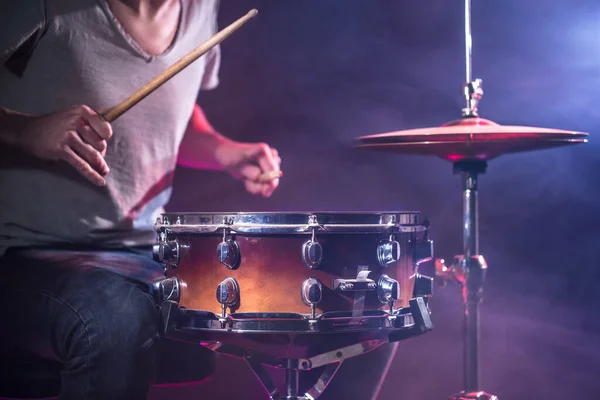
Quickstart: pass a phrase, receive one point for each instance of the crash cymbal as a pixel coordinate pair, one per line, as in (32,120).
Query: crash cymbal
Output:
(470,139)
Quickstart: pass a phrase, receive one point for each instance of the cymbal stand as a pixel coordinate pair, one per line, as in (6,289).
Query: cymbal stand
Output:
(469,270)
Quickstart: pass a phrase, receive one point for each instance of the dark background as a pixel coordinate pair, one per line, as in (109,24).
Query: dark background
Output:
(309,77)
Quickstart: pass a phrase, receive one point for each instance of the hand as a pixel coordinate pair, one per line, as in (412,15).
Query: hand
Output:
(77,135)
(248,161)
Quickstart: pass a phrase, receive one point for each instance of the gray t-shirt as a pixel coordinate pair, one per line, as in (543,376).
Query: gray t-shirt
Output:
(87,58)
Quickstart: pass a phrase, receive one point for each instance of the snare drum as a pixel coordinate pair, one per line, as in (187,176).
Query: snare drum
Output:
(305,264)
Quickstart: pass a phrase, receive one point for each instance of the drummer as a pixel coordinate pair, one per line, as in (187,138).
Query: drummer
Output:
(79,196)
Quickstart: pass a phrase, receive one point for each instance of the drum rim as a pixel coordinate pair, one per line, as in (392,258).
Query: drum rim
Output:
(285,221)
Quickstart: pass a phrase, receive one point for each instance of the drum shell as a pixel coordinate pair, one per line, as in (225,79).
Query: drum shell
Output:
(271,272)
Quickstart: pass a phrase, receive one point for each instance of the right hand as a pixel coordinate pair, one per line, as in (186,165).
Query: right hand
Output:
(76,135)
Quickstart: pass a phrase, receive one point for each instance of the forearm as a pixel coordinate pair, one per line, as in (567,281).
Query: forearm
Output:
(199,150)
(12,124)
(201,143)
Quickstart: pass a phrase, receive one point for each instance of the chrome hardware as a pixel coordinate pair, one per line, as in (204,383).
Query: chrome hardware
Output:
(388,290)
(423,286)
(455,272)
(468,272)
(292,223)
(312,293)
(228,295)
(228,253)
(312,252)
(473,396)
(360,284)
(388,251)
(167,252)
(473,92)
(423,252)
(167,290)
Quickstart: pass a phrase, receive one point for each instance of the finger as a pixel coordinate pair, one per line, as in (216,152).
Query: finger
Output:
(267,192)
(262,155)
(82,167)
(88,153)
(269,188)
(267,160)
(253,187)
(98,124)
(250,172)
(91,137)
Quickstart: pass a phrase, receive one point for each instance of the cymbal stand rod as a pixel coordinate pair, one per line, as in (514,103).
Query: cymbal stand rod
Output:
(472,90)
(468,44)
(471,247)
(475,268)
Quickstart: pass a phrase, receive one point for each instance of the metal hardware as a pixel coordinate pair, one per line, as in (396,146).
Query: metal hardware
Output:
(228,295)
(473,93)
(455,272)
(331,360)
(360,284)
(471,89)
(473,396)
(423,252)
(167,252)
(167,290)
(312,252)
(228,253)
(388,291)
(292,223)
(421,321)
(423,286)
(312,293)
(296,324)
(388,252)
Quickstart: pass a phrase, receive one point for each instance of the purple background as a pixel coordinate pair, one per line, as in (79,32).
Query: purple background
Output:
(308,77)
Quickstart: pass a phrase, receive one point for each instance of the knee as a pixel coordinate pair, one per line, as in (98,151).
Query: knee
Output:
(118,318)
(128,321)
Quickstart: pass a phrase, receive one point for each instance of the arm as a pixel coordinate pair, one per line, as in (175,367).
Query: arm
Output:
(204,148)
(76,135)
(11,124)
(201,144)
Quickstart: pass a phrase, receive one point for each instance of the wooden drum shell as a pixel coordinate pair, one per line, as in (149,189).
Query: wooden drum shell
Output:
(271,272)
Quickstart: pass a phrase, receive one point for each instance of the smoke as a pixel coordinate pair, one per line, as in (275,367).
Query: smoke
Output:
(309,77)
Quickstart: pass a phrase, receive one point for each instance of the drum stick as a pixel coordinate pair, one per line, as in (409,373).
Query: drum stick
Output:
(268,176)
(173,70)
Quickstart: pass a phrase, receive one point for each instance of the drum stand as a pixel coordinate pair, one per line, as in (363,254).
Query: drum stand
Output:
(417,312)
(331,360)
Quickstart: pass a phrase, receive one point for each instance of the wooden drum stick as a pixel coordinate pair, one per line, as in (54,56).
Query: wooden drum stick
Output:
(268,176)
(192,56)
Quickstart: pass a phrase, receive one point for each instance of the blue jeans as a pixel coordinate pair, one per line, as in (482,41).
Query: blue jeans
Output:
(93,312)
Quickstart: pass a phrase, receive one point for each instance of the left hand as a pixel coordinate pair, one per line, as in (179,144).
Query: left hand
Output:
(246,161)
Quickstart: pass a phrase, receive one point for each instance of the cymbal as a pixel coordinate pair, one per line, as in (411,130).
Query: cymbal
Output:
(470,139)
